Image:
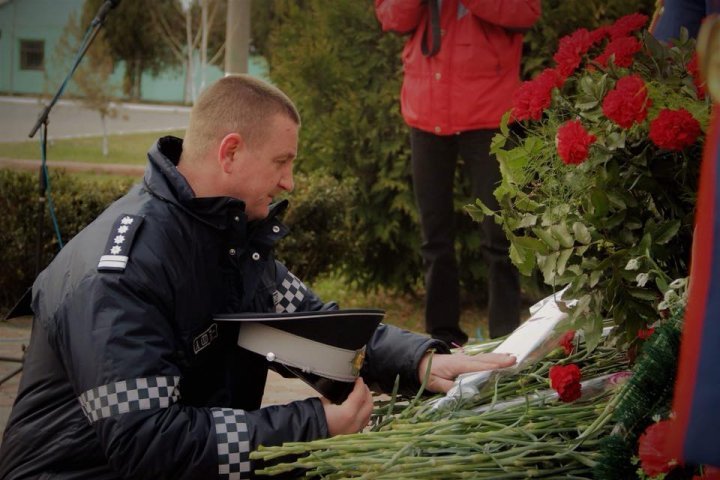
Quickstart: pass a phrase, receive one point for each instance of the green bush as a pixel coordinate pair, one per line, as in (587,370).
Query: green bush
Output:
(344,73)
(319,240)
(77,201)
(318,219)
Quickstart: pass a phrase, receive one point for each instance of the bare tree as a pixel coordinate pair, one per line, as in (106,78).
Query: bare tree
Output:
(92,78)
(192,27)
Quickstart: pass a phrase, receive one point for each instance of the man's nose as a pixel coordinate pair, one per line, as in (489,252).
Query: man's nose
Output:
(287,183)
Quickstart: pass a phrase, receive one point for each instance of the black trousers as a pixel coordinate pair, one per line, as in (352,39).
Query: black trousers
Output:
(434,160)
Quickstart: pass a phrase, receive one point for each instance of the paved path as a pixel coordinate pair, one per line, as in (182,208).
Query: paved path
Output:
(15,335)
(70,118)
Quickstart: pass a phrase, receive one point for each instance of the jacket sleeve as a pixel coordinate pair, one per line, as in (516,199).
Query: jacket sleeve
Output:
(118,342)
(389,353)
(393,351)
(512,14)
(401,16)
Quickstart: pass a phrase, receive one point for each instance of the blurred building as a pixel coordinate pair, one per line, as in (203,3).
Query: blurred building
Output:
(29,31)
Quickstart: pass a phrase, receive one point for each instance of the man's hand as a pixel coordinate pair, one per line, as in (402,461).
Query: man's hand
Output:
(353,414)
(446,367)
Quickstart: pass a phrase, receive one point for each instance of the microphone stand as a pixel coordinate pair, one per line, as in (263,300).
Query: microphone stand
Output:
(43,121)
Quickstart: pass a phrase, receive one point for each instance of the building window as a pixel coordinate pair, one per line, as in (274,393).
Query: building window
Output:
(32,54)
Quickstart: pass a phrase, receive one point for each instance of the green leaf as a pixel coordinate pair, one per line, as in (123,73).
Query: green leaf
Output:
(545,235)
(527,220)
(644,245)
(479,211)
(563,259)
(582,234)
(560,231)
(587,85)
(616,199)
(592,328)
(524,259)
(575,269)
(643,294)
(581,249)
(547,264)
(595,277)
(531,243)
(616,219)
(504,123)
(599,202)
(525,204)
(615,140)
(666,231)
(587,104)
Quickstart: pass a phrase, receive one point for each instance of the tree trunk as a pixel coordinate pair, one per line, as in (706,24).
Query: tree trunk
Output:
(137,80)
(203,42)
(190,83)
(103,122)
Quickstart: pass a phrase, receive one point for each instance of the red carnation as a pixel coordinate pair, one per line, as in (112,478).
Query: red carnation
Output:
(534,96)
(567,342)
(622,48)
(645,333)
(651,449)
(573,142)
(626,25)
(628,102)
(566,380)
(599,33)
(694,70)
(674,129)
(570,51)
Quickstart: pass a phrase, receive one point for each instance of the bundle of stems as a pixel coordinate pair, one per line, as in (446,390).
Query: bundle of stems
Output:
(538,438)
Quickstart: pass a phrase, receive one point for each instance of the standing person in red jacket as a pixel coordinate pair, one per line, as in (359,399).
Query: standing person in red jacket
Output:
(461,70)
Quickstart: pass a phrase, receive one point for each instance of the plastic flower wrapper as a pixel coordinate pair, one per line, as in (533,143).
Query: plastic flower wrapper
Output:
(588,390)
(598,190)
(529,343)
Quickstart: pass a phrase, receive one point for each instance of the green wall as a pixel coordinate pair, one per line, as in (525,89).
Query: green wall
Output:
(29,20)
(45,20)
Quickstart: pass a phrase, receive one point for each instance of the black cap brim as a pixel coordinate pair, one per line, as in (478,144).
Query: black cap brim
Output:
(339,329)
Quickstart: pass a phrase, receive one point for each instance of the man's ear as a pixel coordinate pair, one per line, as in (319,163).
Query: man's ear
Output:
(230,144)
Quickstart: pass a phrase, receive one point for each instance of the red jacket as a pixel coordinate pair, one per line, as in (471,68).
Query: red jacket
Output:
(470,82)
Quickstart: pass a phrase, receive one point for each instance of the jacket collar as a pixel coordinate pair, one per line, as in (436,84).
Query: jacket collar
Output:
(163,180)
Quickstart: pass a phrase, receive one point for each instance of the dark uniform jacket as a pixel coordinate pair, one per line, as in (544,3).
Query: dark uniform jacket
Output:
(127,375)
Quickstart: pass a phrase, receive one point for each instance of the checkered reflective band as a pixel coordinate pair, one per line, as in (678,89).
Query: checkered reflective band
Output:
(129,396)
(233,443)
(117,249)
(290,294)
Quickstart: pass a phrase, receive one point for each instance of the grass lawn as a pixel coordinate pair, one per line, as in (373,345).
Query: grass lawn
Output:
(129,148)
(405,311)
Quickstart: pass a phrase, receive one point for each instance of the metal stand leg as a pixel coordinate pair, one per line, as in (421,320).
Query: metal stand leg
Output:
(14,372)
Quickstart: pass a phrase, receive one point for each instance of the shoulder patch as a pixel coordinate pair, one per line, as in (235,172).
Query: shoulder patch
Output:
(117,249)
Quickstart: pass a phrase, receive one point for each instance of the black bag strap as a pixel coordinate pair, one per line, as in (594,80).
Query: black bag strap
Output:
(434,26)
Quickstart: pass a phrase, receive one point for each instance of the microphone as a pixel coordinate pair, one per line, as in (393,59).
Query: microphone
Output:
(104,10)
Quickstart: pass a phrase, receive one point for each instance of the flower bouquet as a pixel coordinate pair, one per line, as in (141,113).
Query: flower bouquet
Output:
(599,172)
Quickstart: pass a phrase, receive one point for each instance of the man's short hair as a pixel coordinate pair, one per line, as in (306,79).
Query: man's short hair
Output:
(235,103)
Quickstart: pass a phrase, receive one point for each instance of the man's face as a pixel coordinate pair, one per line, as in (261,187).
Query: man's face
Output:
(264,170)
